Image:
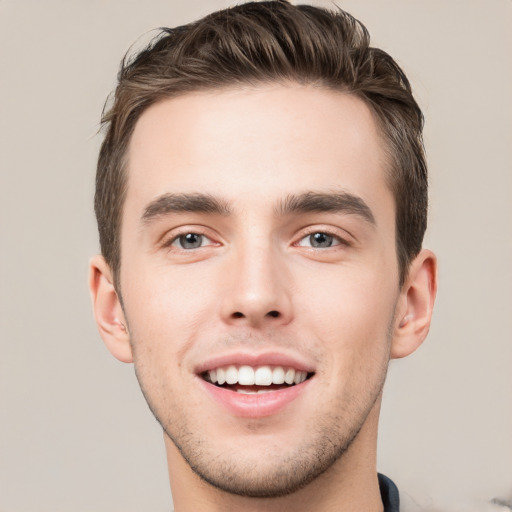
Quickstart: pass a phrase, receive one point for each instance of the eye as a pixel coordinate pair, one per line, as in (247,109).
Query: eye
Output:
(189,241)
(320,240)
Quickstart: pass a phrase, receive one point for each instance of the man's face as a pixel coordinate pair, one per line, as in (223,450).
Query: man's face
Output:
(259,233)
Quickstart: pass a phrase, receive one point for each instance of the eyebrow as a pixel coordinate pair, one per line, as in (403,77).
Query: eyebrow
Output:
(308,202)
(318,202)
(182,203)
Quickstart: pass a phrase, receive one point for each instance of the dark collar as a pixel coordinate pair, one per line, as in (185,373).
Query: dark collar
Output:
(389,494)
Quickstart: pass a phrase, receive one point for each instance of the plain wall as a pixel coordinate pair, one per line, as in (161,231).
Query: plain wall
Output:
(75,432)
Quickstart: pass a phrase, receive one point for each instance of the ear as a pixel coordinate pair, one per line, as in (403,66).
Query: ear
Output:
(107,309)
(415,305)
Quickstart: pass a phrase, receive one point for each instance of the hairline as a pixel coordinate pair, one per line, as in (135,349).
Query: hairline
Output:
(389,161)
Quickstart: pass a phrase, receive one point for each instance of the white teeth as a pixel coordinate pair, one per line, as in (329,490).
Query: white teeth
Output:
(278,375)
(231,375)
(299,377)
(263,376)
(289,376)
(221,376)
(246,376)
(259,376)
(259,392)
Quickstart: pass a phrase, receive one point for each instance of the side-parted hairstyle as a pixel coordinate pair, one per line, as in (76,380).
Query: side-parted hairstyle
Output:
(257,43)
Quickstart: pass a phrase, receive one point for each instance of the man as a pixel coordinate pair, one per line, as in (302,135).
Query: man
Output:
(261,199)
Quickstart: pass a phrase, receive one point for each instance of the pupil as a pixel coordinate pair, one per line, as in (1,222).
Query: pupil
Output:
(191,241)
(320,240)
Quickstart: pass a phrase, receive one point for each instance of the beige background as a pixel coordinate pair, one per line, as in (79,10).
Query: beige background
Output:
(75,433)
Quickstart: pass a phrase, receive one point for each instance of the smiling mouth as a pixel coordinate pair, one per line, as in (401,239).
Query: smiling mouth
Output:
(255,380)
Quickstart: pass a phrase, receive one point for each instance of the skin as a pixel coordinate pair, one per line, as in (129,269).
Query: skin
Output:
(257,286)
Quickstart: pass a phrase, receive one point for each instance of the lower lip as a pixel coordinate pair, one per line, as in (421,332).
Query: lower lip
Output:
(255,405)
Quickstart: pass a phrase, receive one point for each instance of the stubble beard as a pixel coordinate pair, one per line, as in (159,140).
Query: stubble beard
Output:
(285,472)
(278,475)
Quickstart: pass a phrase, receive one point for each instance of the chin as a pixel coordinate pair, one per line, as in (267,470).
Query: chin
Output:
(267,471)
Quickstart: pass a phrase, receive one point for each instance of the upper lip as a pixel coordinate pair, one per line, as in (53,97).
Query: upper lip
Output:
(241,358)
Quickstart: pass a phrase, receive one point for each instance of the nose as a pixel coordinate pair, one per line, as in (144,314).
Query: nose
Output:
(257,289)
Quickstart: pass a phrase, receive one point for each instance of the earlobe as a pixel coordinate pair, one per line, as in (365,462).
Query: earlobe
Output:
(416,302)
(107,309)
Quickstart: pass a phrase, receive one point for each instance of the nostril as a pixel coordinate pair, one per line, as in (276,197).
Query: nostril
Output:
(270,314)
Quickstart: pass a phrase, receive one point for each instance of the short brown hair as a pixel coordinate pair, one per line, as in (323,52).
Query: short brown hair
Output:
(261,42)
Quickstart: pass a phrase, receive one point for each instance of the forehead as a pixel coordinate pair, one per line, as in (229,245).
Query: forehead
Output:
(256,144)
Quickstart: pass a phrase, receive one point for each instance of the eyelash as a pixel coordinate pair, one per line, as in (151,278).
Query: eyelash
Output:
(341,241)
(173,241)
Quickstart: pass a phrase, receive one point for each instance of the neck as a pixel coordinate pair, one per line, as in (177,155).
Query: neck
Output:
(349,484)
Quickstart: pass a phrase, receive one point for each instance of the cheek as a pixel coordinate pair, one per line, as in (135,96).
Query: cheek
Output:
(166,310)
(351,314)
